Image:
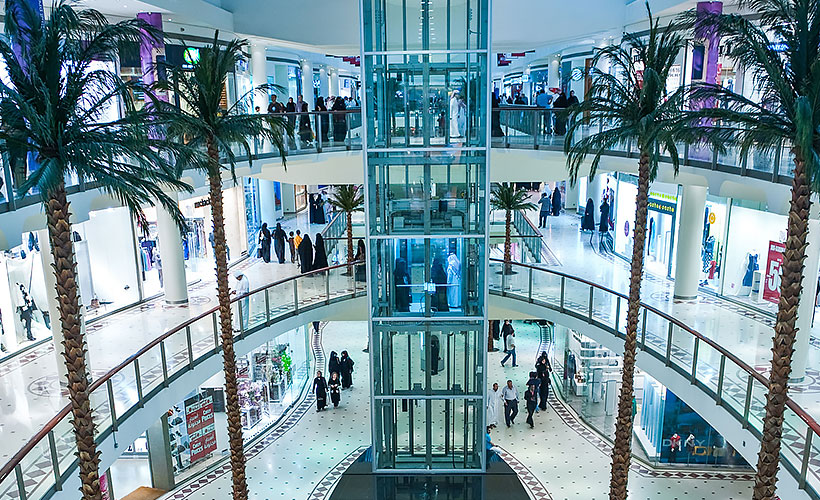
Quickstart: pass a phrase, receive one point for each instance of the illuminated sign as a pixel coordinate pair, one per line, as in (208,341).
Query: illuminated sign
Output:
(577,74)
(191,56)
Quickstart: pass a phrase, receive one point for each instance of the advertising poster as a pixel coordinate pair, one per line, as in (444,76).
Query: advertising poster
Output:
(199,418)
(771,286)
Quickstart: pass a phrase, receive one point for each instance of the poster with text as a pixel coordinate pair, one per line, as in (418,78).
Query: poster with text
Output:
(771,286)
(199,417)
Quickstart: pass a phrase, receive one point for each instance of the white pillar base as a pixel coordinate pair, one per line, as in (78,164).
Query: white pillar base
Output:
(689,241)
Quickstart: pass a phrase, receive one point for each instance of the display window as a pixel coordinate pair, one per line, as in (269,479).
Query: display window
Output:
(715,224)
(24,315)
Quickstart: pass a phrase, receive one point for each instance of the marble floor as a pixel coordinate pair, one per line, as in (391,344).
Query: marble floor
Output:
(30,391)
(558,459)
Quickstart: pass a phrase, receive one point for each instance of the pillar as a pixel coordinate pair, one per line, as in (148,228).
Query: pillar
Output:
(259,74)
(324,82)
(159,455)
(51,303)
(267,201)
(571,201)
(805,310)
(280,77)
(595,190)
(334,82)
(175,283)
(552,75)
(690,241)
(307,84)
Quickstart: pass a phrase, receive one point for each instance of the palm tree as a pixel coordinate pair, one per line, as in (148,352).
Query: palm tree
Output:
(202,123)
(509,198)
(348,198)
(53,118)
(788,82)
(634,97)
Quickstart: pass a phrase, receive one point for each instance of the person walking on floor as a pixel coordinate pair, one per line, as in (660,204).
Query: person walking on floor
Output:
(333,365)
(243,288)
(279,242)
(319,253)
(292,247)
(346,370)
(306,254)
(335,387)
(494,404)
(532,405)
(556,202)
(264,242)
(506,330)
(545,205)
(533,384)
(297,240)
(320,390)
(510,349)
(544,390)
(510,395)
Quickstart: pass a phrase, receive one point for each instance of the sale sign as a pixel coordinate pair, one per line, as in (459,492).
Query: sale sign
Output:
(771,285)
(199,418)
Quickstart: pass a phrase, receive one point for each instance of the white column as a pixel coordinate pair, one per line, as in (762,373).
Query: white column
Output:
(595,190)
(552,75)
(259,74)
(806,308)
(307,83)
(324,83)
(690,241)
(175,283)
(51,303)
(571,197)
(334,82)
(267,201)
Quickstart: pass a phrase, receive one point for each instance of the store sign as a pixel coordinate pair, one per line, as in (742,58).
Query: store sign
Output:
(712,217)
(202,203)
(771,287)
(199,419)
(662,206)
(577,74)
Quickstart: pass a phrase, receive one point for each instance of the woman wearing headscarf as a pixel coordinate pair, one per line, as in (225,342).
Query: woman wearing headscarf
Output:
(264,242)
(346,369)
(320,390)
(360,256)
(306,254)
(324,119)
(333,366)
(335,386)
(603,224)
(588,223)
(401,285)
(453,281)
(305,132)
(339,120)
(439,277)
(319,254)
(279,238)
(556,202)
(320,209)
(290,109)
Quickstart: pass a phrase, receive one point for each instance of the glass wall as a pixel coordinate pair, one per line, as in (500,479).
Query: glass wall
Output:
(426,76)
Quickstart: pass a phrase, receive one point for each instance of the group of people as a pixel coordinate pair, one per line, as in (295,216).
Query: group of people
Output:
(604,223)
(554,123)
(307,254)
(341,377)
(445,276)
(297,111)
(535,397)
(549,205)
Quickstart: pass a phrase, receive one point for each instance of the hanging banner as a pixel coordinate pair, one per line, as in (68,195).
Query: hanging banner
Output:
(771,287)
(199,419)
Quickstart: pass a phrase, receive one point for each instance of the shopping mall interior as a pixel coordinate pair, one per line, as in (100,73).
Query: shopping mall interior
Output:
(409,249)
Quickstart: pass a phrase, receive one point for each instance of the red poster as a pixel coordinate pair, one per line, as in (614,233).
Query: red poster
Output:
(199,418)
(771,286)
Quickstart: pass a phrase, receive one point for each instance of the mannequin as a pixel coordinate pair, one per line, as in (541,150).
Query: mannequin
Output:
(748,276)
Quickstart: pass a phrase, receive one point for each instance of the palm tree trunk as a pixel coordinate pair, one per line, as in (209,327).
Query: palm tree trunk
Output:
(240,486)
(508,243)
(622,448)
(68,298)
(791,285)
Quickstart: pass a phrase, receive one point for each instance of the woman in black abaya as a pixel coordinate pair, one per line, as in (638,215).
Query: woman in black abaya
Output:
(588,223)
(264,242)
(401,285)
(306,254)
(279,238)
(320,390)
(439,277)
(319,254)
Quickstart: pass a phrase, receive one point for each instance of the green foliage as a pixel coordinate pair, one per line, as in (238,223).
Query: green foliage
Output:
(632,98)
(787,80)
(508,198)
(53,109)
(200,119)
(348,198)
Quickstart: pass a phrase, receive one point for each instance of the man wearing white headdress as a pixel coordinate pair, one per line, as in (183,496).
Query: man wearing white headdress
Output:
(453,281)
(455,104)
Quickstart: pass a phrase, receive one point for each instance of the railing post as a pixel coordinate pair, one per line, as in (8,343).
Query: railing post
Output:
(776,165)
(347,131)
(110,387)
(714,159)
(529,286)
(618,313)
(164,363)
(535,129)
(241,322)
(504,279)
(669,334)
(190,347)
(138,380)
(55,464)
(686,154)
(21,483)
(296,296)
(318,128)
(506,131)
(327,286)
(591,293)
(216,330)
(643,328)
(721,375)
(804,466)
(563,282)
(267,307)
(748,403)
(695,361)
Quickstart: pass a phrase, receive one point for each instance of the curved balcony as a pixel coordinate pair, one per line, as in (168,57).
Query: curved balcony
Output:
(712,380)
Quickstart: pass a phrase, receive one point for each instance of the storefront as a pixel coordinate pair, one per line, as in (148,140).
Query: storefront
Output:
(715,225)
(271,379)
(538,81)
(24,316)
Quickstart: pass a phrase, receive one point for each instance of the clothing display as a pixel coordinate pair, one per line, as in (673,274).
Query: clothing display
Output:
(751,267)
